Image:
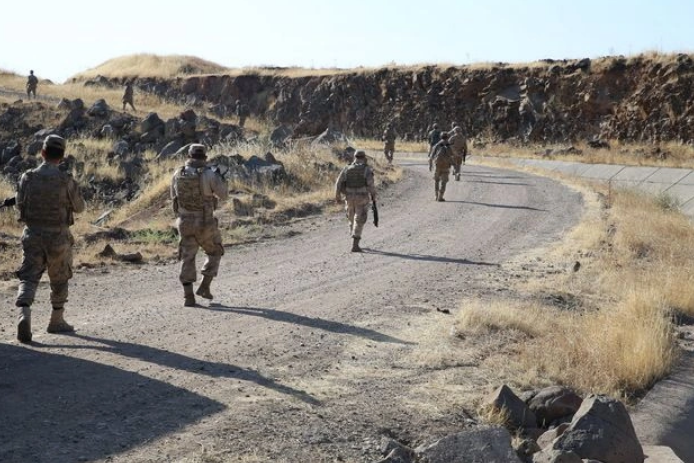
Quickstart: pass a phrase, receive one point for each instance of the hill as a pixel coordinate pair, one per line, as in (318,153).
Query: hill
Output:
(150,65)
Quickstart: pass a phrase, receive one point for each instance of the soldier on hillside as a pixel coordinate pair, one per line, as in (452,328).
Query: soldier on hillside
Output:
(128,95)
(32,83)
(389,136)
(242,111)
(459,145)
(46,200)
(434,137)
(356,184)
(195,190)
(441,161)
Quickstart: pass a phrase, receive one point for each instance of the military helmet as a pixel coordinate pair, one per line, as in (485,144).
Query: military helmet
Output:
(444,134)
(197,150)
(360,154)
(54,141)
(435,126)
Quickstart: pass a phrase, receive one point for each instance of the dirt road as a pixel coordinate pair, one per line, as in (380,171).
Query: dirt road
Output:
(309,353)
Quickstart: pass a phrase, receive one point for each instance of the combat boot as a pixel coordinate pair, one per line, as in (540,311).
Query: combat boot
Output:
(57,324)
(204,288)
(355,245)
(24,325)
(188,295)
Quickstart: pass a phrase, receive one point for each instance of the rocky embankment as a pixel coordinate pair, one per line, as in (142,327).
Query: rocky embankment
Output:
(641,99)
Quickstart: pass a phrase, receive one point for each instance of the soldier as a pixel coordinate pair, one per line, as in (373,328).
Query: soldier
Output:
(356,183)
(442,160)
(389,136)
(128,95)
(46,199)
(195,190)
(242,112)
(459,145)
(434,137)
(32,82)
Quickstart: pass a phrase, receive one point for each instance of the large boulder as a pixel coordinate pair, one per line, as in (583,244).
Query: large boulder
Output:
(554,403)
(280,135)
(602,430)
(516,412)
(99,109)
(488,444)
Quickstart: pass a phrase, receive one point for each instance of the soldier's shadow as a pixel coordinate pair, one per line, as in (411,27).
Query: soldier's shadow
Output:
(426,257)
(312,322)
(181,362)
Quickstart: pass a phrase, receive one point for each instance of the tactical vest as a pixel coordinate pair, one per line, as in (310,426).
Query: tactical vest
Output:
(45,201)
(189,189)
(356,176)
(443,159)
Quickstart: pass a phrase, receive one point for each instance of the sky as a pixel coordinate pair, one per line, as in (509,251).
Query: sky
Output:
(58,39)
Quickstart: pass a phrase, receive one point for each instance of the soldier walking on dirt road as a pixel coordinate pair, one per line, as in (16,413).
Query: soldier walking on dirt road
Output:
(195,190)
(389,136)
(459,144)
(356,184)
(46,199)
(442,160)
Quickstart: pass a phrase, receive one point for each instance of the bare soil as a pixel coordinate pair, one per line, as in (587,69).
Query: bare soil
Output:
(308,353)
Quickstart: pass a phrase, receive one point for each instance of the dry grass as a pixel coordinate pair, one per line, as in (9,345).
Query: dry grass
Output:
(637,270)
(400,146)
(150,65)
(633,154)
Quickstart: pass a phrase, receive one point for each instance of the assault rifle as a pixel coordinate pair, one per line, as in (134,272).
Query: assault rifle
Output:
(374,209)
(8,202)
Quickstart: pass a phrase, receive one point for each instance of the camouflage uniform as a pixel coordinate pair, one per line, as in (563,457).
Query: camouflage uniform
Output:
(128,96)
(32,82)
(356,183)
(195,190)
(389,136)
(434,138)
(442,160)
(242,112)
(47,197)
(459,145)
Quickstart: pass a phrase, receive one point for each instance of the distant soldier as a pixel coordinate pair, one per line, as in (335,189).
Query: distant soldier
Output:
(242,112)
(128,96)
(434,137)
(195,190)
(389,136)
(46,199)
(441,161)
(32,82)
(459,145)
(356,184)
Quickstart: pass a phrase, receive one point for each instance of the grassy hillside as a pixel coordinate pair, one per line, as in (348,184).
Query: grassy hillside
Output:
(152,66)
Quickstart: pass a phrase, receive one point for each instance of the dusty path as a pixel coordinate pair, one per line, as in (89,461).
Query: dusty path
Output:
(308,353)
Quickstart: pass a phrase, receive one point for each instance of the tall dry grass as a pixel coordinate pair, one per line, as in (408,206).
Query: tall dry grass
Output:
(150,65)
(619,337)
(632,154)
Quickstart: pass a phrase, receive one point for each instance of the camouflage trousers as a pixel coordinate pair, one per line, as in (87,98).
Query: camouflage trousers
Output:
(195,233)
(389,149)
(45,249)
(440,181)
(357,208)
(31,89)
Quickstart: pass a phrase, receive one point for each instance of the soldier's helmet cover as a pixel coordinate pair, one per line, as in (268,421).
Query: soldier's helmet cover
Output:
(54,141)
(197,150)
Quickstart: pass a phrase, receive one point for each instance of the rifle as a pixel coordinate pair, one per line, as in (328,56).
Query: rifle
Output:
(374,209)
(8,202)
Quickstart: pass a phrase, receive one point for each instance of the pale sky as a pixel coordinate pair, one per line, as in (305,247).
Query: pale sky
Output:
(58,39)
